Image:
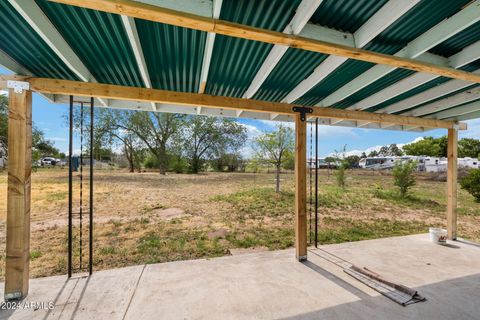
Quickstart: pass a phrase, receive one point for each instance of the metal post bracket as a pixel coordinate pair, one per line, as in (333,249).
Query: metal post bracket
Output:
(18,86)
(303,111)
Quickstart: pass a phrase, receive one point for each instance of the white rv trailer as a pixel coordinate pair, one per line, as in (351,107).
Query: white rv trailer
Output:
(433,164)
(383,163)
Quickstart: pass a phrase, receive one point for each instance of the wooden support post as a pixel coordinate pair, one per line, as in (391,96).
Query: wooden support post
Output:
(452,184)
(18,197)
(300,189)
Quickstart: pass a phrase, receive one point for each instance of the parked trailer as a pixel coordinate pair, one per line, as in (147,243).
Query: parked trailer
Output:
(434,164)
(385,163)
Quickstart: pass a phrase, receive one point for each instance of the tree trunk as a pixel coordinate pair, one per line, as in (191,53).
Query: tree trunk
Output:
(129,157)
(277,179)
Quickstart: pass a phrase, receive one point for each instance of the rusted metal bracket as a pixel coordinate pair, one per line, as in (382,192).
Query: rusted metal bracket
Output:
(303,111)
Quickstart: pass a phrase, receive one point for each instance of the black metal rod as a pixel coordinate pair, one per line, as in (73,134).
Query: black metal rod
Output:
(81,189)
(90,235)
(310,183)
(70,187)
(316,182)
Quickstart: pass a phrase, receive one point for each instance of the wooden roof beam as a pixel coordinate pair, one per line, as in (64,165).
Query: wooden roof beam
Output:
(106,91)
(39,22)
(207,54)
(162,15)
(416,49)
(381,20)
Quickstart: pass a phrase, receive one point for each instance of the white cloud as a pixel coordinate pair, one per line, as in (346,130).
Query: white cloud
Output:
(323,130)
(473,130)
(56,139)
(375,148)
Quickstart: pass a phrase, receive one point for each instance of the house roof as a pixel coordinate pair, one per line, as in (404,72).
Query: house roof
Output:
(53,40)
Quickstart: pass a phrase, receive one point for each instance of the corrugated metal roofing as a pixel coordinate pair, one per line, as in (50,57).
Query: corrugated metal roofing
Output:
(296,64)
(288,73)
(346,15)
(440,98)
(376,86)
(456,43)
(453,108)
(22,43)
(433,83)
(419,19)
(100,41)
(173,55)
(236,61)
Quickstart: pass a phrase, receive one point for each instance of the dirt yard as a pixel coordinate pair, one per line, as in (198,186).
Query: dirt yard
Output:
(147,218)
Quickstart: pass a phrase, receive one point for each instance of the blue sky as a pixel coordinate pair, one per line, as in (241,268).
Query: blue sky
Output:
(50,119)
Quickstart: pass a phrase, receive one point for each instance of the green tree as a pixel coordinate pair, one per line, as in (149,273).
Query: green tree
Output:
(372,154)
(403,176)
(3,123)
(468,147)
(394,150)
(428,146)
(471,183)
(352,161)
(156,130)
(113,126)
(205,138)
(383,151)
(272,147)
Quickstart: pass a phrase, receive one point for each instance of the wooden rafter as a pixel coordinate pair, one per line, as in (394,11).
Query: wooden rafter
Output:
(172,17)
(108,91)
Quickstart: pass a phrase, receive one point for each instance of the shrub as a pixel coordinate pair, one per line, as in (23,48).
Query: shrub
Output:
(340,175)
(471,183)
(403,176)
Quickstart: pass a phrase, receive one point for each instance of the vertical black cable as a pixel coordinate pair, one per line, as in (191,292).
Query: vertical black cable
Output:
(70,188)
(310,182)
(316,182)
(90,222)
(81,184)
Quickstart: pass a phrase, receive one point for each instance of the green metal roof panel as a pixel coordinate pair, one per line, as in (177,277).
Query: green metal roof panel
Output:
(416,21)
(452,108)
(346,15)
(24,45)
(288,73)
(456,43)
(433,83)
(373,88)
(100,41)
(235,61)
(173,55)
(439,98)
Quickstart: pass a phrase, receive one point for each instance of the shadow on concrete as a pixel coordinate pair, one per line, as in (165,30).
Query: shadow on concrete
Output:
(451,299)
(469,243)
(335,279)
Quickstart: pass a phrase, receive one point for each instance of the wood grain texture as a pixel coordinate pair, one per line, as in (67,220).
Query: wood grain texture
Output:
(19,193)
(452,184)
(300,188)
(107,91)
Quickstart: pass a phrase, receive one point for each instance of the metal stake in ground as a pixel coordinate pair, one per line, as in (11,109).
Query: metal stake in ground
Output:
(70,188)
(316,182)
(90,223)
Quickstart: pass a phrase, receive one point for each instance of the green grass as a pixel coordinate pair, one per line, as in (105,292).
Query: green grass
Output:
(35,254)
(413,200)
(57,196)
(260,202)
(338,230)
(107,250)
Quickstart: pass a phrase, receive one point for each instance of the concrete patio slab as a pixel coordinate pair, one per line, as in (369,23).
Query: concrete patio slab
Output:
(272,285)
